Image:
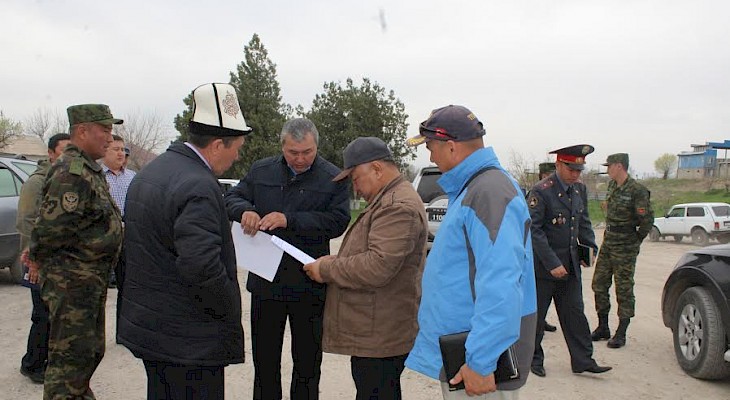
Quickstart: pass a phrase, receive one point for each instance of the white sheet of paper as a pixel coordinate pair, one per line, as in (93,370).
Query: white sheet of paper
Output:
(257,253)
(299,255)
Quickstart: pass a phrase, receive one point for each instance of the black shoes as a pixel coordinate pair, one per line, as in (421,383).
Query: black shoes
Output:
(538,370)
(594,369)
(550,328)
(601,333)
(35,377)
(617,341)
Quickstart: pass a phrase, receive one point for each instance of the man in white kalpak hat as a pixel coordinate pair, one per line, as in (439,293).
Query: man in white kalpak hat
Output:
(181,307)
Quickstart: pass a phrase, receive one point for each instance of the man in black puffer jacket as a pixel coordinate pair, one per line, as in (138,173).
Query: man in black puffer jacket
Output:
(181,305)
(291,196)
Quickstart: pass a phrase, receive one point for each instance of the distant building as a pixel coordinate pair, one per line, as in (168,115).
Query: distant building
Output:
(703,161)
(30,147)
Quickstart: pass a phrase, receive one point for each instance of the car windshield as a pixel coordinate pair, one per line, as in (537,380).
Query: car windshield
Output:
(721,211)
(28,168)
(428,189)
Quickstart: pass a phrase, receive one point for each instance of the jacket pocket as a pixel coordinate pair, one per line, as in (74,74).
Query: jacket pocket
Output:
(356,311)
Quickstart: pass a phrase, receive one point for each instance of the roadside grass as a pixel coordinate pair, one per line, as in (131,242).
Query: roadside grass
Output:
(666,193)
(355,213)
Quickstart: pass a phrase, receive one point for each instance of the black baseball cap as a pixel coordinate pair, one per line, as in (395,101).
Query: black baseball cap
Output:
(360,151)
(451,122)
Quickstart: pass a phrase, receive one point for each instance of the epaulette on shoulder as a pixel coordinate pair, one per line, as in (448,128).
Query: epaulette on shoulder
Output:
(546,183)
(76,167)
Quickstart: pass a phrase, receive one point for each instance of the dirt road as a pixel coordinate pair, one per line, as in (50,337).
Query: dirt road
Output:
(644,369)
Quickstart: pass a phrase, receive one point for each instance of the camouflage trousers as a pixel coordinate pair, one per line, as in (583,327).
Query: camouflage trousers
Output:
(76,299)
(617,261)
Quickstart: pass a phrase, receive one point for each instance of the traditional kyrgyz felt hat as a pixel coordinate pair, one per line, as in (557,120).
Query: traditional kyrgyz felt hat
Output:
(216,111)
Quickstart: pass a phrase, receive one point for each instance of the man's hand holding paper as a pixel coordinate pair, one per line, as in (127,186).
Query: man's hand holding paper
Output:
(312,269)
(250,222)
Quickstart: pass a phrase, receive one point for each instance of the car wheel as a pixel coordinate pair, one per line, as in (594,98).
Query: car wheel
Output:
(677,238)
(699,237)
(16,271)
(699,335)
(654,234)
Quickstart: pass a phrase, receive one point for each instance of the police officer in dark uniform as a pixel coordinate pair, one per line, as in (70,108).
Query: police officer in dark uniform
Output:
(558,207)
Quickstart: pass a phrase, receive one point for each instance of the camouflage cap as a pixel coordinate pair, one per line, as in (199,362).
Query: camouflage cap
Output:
(99,113)
(618,158)
(546,167)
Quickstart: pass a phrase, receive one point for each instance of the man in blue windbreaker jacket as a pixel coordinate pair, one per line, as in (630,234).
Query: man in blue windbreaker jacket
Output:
(479,274)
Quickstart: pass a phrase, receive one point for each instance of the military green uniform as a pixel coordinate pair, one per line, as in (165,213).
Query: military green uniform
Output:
(29,202)
(629,219)
(76,240)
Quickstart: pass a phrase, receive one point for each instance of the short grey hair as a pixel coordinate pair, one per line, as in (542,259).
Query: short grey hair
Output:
(298,128)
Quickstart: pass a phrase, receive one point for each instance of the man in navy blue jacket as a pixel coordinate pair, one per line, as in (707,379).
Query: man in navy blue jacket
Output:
(293,197)
(181,311)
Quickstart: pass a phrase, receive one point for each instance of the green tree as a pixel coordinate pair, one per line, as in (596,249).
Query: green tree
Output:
(342,114)
(8,129)
(182,120)
(259,96)
(665,164)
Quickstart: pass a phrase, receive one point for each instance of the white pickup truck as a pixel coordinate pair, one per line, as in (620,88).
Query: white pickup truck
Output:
(700,221)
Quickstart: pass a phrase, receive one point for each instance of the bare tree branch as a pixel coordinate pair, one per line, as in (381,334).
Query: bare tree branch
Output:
(522,170)
(45,122)
(145,134)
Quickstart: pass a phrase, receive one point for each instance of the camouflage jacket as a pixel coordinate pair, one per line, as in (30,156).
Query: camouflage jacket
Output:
(629,205)
(30,201)
(78,221)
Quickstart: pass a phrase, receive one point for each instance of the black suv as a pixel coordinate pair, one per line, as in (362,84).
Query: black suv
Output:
(696,307)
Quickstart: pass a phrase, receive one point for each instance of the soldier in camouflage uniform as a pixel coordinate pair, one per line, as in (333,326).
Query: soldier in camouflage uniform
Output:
(33,364)
(75,242)
(629,219)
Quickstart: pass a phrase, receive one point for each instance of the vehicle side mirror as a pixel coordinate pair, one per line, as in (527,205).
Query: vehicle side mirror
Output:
(667,215)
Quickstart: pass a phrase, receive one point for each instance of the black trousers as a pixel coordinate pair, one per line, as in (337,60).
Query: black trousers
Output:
(268,321)
(568,297)
(36,354)
(119,271)
(377,378)
(168,381)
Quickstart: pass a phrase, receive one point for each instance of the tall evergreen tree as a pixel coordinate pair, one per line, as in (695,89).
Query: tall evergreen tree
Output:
(182,120)
(342,114)
(259,96)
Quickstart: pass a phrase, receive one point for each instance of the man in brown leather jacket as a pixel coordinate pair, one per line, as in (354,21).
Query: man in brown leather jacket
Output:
(374,282)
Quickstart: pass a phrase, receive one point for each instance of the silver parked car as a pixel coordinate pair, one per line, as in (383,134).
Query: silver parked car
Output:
(13,172)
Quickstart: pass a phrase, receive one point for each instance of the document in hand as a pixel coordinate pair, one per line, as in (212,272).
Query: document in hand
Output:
(453,353)
(585,254)
(299,255)
(257,253)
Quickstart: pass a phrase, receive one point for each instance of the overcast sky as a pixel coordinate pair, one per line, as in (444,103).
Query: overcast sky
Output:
(644,77)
